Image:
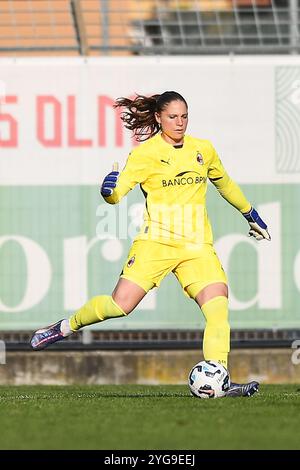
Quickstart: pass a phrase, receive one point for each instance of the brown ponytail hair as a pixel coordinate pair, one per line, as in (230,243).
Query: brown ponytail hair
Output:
(140,114)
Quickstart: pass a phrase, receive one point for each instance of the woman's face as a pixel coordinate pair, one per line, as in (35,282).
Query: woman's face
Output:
(173,120)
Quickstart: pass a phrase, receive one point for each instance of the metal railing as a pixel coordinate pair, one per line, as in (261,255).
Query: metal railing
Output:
(118,27)
(154,339)
(272,28)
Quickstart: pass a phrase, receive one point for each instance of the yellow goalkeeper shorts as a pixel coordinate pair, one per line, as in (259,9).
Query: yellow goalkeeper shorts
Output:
(149,262)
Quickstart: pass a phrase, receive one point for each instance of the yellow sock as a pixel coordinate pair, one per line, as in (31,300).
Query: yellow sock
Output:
(216,340)
(96,309)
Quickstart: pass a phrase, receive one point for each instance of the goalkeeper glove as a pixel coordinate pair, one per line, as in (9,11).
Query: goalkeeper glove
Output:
(258,229)
(110,182)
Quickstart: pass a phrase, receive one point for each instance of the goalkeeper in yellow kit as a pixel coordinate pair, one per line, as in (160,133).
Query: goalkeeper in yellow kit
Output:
(172,169)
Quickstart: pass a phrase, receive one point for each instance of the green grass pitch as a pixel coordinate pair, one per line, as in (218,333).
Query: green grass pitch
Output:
(146,417)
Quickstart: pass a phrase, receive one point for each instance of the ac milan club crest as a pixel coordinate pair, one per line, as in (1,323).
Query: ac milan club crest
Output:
(199,158)
(131,261)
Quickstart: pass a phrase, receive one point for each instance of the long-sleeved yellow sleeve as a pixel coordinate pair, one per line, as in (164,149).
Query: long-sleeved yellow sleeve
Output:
(231,191)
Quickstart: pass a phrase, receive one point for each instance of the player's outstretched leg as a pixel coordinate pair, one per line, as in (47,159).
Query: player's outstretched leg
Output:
(50,334)
(242,390)
(95,310)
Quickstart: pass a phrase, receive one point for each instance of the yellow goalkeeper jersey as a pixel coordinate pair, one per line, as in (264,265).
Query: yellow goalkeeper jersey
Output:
(174,183)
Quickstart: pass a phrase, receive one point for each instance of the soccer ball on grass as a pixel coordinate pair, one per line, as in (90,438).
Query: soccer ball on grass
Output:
(209,379)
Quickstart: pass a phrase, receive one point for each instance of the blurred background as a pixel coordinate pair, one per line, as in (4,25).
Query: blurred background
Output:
(62,65)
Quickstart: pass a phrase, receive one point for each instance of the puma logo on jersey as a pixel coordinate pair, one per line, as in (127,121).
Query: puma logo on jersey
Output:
(164,161)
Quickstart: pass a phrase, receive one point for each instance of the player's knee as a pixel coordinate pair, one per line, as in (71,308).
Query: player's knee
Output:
(217,289)
(124,301)
(127,295)
(111,309)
